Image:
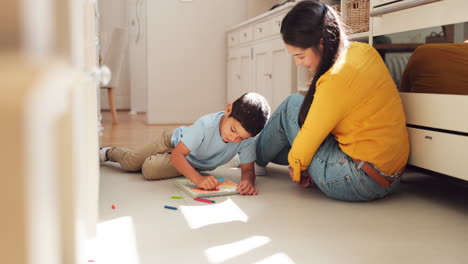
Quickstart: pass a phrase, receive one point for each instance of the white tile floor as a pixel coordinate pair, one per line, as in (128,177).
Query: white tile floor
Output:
(424,221)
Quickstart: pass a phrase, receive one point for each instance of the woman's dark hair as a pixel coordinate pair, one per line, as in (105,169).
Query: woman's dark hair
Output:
(252,111)
(308,23)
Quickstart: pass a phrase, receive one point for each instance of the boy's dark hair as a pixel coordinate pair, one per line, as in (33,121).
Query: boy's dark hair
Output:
(252,111)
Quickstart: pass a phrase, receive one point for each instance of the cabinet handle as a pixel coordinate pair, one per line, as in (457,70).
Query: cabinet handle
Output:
(268,76)
(245,35)
(428,137)
(401,7)
(260,30)
(238,76)
(278,23)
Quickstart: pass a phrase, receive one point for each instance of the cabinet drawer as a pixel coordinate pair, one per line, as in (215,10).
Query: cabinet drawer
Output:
(275,23)
(233,38)
(246,34)
(424,16)
(440,152)
(443,111)
(261,30)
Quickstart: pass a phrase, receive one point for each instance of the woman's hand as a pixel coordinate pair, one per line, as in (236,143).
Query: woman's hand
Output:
(291,173)
(305,180)
(246,188)
(207,183)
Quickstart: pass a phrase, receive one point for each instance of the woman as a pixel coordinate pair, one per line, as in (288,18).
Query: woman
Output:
(348,134)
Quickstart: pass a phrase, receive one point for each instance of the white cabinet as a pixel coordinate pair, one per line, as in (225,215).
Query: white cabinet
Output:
(258,60)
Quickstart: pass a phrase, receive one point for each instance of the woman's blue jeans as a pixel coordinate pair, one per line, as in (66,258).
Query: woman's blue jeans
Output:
(334,172)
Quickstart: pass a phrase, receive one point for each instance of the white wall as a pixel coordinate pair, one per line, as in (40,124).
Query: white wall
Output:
(257,7)
(187,53)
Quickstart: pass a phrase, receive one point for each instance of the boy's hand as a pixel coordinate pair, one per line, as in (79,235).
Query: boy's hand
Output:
(246,188)
(178,159)
(207,183)
(246,185)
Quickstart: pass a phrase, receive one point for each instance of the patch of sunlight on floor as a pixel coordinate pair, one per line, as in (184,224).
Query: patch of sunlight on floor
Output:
(116,242)
(276,258)
(203,215)
(225,252)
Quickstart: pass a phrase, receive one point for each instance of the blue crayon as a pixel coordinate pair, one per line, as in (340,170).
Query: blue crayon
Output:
(220,179)
(170,207)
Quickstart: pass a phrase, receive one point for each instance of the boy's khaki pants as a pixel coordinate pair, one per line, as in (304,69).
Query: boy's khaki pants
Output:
(153,159)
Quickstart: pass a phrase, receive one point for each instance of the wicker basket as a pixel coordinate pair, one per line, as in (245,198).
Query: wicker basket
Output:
(337,8)
(357,16)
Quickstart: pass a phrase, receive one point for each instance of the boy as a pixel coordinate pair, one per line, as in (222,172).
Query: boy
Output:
(211,141)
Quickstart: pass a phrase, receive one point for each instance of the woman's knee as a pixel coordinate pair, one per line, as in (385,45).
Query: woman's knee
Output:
(293,104)
(295,99)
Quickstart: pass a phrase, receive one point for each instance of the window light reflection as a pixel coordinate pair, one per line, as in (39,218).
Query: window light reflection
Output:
(116,242)
(203,215)
(225,252)
(276,258)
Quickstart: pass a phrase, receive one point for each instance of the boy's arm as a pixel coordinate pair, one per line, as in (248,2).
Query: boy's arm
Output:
(247,184)
(183,166)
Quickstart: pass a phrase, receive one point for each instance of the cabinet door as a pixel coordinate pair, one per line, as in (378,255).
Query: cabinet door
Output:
(233,74)
(274,73)
(262,70)
(245,57)
(283,73)
(239,72)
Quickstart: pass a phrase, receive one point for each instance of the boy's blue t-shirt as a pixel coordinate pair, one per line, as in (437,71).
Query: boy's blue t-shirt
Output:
(207,148)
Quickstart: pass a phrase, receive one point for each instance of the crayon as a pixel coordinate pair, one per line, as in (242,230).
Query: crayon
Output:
(204,200)
(176,197)
(170,207)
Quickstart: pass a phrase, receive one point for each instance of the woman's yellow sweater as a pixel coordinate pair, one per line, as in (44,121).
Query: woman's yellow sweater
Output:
(357,101)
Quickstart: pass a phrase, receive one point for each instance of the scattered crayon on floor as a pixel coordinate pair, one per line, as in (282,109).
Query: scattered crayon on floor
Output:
(204,200)
(113,206)
(170,207)
(176,197)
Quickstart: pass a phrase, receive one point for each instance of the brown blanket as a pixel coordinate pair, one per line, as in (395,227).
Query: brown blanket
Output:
(437,68)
